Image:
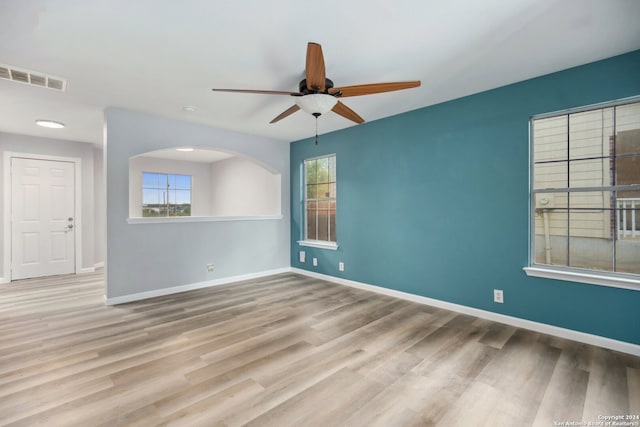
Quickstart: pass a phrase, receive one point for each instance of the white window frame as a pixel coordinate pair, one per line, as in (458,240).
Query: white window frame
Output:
(167,174)
(573,274)
(322,244)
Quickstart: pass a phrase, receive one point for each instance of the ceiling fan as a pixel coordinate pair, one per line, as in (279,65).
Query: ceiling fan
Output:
(317,95)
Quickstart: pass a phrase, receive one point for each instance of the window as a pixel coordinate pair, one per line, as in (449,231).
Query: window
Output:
(585,193)
(165,195)
(320,199)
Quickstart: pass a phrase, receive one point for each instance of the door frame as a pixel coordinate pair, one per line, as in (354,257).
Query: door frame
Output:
(6,213)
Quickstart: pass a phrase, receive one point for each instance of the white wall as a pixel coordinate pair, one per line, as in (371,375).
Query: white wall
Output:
(200,179)
(152,257)
(240,187)
(61,148)
(100,208)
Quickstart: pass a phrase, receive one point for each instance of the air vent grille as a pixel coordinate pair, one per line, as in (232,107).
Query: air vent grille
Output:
(9,72)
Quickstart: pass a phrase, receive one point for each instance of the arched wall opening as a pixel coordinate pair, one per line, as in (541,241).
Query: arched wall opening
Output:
(220,184)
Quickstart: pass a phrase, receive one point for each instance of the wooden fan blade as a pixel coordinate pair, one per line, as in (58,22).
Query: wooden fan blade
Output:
(286,113)
(265,92)
(368,89)
(347,112)
(315,72)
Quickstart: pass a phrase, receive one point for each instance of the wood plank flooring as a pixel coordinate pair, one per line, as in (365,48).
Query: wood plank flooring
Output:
(287,350)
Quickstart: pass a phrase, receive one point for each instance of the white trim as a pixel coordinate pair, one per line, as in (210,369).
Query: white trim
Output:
(169,219)
(86,270)
(580,277)
(333,246)
(192,286)
(98,265)
(4,281)
(583,337)
(8,155)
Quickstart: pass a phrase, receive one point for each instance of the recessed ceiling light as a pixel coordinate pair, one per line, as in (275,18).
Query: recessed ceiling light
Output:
(50,124)
(184,149)
(189,108)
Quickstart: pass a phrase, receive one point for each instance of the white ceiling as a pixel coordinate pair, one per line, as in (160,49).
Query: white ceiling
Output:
(158,56)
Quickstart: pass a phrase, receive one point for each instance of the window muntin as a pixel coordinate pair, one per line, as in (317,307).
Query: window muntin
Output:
(166,194)
(586,189)
(320,199)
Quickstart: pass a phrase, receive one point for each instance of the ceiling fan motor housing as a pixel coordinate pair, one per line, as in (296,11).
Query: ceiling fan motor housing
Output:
(328,84)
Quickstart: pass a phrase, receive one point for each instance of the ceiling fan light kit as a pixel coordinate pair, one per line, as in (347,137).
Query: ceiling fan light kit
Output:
(317,95)
(316,103)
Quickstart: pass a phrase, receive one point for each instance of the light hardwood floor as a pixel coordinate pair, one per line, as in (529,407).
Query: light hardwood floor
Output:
(287,351)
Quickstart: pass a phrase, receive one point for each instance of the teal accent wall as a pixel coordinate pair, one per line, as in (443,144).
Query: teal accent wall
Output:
(435,202)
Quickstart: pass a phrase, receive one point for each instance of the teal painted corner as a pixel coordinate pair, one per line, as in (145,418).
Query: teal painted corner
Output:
(434,202)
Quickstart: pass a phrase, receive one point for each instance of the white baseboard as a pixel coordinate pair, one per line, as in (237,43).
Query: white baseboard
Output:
(98,265)
(85,270)
(192,286)
(544,328)
(3,281)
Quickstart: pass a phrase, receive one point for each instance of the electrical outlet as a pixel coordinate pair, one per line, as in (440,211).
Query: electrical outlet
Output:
(315,262)
(498,296)
(341,266)
(302,256)
(209,268)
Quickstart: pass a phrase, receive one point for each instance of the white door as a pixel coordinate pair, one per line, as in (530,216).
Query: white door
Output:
(42,218)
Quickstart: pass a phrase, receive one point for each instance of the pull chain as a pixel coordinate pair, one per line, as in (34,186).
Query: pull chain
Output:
(316,115)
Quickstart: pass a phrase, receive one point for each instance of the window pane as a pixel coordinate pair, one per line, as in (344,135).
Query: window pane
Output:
(627,119)
(154,180)
(628,233)
(589,173)
(628,170)
(550,229)
(628,146)
(323,191)
(323,170)
(590,133)
(182,182)
(332,224)
(311,222)
(332,190)
(590,230)
(152,202)
(311,167)
(550,175)
(181,197)
(323,224)
(179,203)
(627,215)
(171,180)
(312,191)
(332,169)
(151,196)
(550,139)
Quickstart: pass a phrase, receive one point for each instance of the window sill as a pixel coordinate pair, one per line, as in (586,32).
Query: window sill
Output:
(174,219)
(580,277)
(333,246)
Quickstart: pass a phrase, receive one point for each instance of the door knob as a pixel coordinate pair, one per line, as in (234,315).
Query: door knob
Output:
(70,219)
(70,226)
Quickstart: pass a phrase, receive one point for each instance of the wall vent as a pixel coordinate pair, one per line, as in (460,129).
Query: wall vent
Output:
(9,72)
